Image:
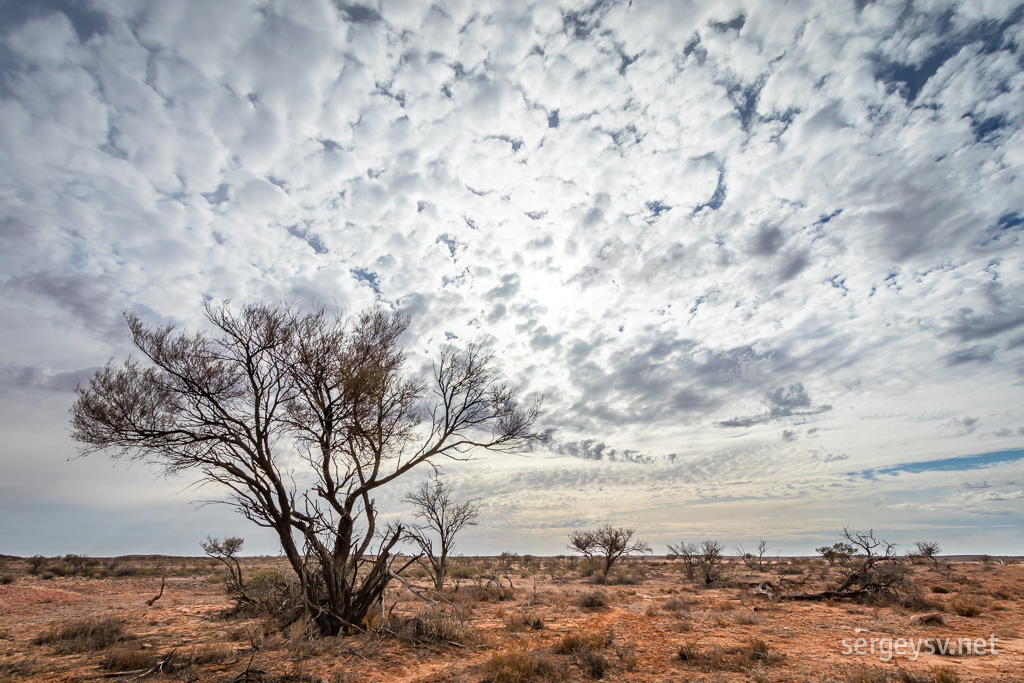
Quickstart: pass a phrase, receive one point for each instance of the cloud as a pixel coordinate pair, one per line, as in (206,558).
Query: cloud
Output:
(36,377)
(965,425)
(659,215)
(783,402)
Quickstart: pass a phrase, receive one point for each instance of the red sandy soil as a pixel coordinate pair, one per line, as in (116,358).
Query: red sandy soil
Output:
(647,624)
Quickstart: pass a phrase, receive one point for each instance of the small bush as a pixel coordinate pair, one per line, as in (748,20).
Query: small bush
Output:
(965,608)
(746,618)
(677,605)
(522,621)
(944,674)
(128,659)
(462,571)
(435,626)
(36,564)
(940,589)
(83,636)
(576,642)
(6,579)
(864,674)
(755,653)
(492,591)
(515,665)
(592,600)
(592,663)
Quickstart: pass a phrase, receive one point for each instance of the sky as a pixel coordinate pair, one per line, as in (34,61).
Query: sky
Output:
(762,260)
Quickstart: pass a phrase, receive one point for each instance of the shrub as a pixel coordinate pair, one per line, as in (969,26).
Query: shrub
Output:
(677,605)
(435,625)
(754,653)
(939,589)
(128,659)
(6,579)
(619,578)
(592,663)
(492,592)
(36,564)
(864,674)
(576,642)
(84,635)
(965,608)
(746,618)
(515,665)
(592,600)
(944,674)
(461,571)
(521,621)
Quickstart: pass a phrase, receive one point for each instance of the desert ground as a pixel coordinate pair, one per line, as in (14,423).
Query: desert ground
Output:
(511,618)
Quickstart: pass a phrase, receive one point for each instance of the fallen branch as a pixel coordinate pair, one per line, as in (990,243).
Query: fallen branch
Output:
(826,595)
(163,581)
(417,591)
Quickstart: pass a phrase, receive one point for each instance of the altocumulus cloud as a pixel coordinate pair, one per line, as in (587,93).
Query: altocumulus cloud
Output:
(691,226)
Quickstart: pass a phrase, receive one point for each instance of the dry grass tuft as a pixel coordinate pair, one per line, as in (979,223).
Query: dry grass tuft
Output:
(965,607)
(592,600)
(577,642)
(523,621)
(86,635)
(516,665)
(755,653)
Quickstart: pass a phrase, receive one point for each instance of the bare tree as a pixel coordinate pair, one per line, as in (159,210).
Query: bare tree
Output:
(300,418)
(928,550)
(608,543)
(702,560)
(444,518)
(753,561)
(688,553)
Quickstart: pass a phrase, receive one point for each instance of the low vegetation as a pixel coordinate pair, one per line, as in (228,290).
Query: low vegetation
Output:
(513,618)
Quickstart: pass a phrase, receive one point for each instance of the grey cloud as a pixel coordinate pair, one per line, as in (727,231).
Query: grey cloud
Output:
(591,449)
(542,339)
(90,299)
(793,265)
(86,21)
(783,402)
(965,425)
(508,288)
(38,377)
(979,353)
(767,241)
(970,326)
(496,313)
(788,436)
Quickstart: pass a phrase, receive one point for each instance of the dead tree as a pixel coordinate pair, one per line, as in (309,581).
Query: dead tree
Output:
(444,518)
(607,543)
(752,561)
(301,418)
(876,571)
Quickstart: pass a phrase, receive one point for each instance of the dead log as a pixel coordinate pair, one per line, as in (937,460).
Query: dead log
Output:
(826,595)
